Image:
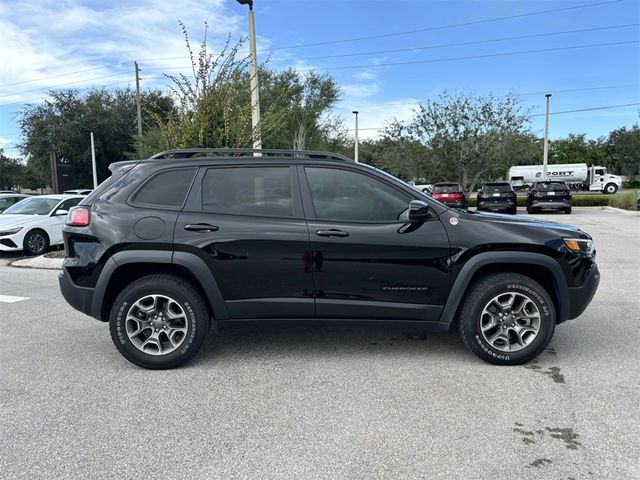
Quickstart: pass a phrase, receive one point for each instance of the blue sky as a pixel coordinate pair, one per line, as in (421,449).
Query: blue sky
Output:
(387,55)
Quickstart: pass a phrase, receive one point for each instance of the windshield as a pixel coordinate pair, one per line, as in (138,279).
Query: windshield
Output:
(496,187)
(32,206)
(449,187)
(552,186)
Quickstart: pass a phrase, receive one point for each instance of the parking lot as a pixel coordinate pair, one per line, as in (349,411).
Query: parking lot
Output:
(325,402)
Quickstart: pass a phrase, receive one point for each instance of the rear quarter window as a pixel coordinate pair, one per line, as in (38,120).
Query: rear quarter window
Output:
(167,189)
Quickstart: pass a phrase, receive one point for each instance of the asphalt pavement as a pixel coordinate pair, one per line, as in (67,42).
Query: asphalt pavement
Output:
(325,402)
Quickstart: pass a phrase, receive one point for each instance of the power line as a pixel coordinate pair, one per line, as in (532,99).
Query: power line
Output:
(61,85)
(469,57)
(64,74)
(555,92)
(443,27)
(29,100)
(459,44)
(606,107)
(438,60)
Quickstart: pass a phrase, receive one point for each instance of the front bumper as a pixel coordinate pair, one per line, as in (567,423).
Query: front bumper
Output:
(10,243)
(580,297)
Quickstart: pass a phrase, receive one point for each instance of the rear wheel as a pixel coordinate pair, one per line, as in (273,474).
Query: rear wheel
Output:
(567,210)
(513,211)
(506,319)
(36,242)
(159,322)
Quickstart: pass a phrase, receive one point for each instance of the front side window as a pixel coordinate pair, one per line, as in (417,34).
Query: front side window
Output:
(346,195)
(258,191)
(167,189)
(69,204)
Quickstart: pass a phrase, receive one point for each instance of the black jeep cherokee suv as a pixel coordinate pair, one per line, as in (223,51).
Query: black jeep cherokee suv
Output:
(169,245)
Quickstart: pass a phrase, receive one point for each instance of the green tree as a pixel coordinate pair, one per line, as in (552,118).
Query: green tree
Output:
(622,150)
(62,125)
(575,148)
(11,171)
(469,136)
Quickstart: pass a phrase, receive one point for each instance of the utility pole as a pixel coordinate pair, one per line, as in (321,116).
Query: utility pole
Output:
(93,163)
(545,155)
(255,91)
(138,102)
(355,148)
(53,162)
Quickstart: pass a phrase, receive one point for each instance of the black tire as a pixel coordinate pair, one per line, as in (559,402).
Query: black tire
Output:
(610,188)
(195,319)
(480,295)
(513,211)
(529,210)
(36,242)
(567,211)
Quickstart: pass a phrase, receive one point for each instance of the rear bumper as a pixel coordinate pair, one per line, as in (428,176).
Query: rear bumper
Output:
(580,297)
(541,204)
(496,206)
(80,298)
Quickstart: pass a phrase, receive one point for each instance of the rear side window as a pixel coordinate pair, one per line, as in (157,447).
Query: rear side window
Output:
(496,187)
(259,191)
(166,189)
(552,186)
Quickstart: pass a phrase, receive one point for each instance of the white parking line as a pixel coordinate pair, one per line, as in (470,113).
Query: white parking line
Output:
(10,299)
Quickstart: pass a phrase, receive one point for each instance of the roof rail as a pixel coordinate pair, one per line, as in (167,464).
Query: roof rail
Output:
(267,152)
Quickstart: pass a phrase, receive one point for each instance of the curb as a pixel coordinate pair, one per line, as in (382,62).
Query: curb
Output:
(620,210)
(41,262)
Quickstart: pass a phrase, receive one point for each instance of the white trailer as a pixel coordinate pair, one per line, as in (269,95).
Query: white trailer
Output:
(579,176)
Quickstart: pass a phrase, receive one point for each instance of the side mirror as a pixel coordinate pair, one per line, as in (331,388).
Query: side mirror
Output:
(418,211)
(60,213)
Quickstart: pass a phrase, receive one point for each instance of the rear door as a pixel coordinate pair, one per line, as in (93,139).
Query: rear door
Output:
(367,261)
(246,221)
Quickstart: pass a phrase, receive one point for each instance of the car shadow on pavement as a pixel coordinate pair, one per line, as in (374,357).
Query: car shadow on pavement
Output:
(308,341)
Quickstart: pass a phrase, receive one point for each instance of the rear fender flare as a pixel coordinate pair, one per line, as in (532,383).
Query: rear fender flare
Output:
(191,262)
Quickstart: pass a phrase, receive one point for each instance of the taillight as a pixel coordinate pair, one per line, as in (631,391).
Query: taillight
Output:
(78,217)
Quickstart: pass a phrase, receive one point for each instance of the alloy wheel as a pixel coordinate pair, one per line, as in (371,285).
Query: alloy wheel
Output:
(510,321)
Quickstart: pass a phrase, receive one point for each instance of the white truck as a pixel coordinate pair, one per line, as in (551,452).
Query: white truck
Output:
(579,176)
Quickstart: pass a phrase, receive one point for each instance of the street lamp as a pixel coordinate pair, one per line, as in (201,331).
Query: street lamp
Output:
(545,154)
(255,92)
(355,149)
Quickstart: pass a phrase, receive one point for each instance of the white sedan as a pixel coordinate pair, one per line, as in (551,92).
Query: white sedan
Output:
(35,223)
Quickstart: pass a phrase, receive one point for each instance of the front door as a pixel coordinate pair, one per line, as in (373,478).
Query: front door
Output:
(247,222)
(368,262)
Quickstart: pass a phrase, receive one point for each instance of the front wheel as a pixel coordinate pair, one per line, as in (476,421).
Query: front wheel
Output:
(610,188)
(36,242)
(159,322)
(507,319)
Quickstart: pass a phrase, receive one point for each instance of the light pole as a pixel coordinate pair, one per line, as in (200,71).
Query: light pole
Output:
(545,155)
(255,92)
(355,148)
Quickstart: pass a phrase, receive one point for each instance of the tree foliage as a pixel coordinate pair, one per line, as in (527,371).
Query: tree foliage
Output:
(11,171)
(62,125)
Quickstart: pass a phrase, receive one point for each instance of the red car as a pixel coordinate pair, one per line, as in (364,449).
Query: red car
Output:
(451,194)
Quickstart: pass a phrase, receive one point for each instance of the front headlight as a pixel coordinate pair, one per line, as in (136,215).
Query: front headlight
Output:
(581,246)
(13,231)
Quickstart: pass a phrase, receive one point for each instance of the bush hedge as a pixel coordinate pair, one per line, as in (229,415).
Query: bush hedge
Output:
(627,200)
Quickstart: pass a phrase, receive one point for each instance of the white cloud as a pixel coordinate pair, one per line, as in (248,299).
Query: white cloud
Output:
(44,39)
(365,75)
(360,90)
(372,116)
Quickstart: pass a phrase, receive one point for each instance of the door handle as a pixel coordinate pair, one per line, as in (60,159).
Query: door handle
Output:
(201,227)
(332,233)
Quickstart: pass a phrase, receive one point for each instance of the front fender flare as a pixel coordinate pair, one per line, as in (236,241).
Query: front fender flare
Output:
(463,279)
